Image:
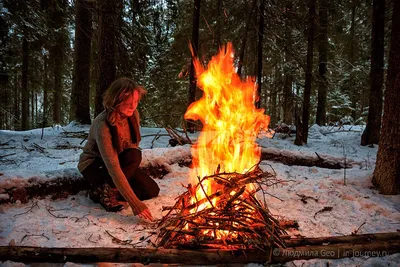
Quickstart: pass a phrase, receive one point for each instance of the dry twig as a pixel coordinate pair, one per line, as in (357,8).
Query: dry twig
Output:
(7,143)
(3,156)
(358,229)
(304,198)
(29,209)
(39,148)
(51,210)
(29,235)
(119,241)
(325,209)
(176,138)
(77,219)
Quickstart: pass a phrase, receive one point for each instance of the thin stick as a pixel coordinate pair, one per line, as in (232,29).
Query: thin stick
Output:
(356,231)
(29,235)
(29,209)
(49,209)
(3,156)
(119,241)
(204,191)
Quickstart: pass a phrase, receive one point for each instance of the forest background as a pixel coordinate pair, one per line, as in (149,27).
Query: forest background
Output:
(315,61)
(58,56)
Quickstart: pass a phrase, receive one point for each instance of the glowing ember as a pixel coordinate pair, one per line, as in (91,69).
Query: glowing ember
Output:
(230,121)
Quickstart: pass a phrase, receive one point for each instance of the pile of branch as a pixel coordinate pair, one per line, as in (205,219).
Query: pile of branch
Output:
(232,209)
(176,138)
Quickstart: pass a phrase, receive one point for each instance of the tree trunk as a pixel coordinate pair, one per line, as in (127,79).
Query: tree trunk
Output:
(106,56)
(244,39)
(309,70)
(298,141)
(288,99)
(17,93)
(372,130)
(58,17)
(287,89)
(122,57)
(45,90)
(195,48)
(4,111)
(218,24)
(32,98)
(323,59)
(259,53)
(57,56)
(24,87)
(80,109)
(273,97)
(351,87)
(36,108)
(4,31)
(387,170)
(5,102)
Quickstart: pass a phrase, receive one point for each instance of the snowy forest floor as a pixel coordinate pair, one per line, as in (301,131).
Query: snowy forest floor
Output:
(27,159)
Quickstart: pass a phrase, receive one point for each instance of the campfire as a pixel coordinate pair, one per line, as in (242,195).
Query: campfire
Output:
(220,208)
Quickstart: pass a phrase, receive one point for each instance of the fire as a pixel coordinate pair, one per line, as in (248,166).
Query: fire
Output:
(231,123)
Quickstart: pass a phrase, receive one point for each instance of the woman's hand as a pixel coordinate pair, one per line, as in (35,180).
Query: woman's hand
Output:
(146,215)
(142,211)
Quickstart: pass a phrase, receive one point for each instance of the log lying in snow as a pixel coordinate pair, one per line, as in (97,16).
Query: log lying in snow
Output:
(290,158)
(350,239)
(375,245)
(60,185)
(63,184)
(71,181)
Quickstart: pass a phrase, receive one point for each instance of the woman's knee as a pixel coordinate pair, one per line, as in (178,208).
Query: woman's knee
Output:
(130,156)
(150,192)
(155,191)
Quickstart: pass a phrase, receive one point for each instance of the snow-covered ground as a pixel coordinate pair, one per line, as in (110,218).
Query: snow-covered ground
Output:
(76,221)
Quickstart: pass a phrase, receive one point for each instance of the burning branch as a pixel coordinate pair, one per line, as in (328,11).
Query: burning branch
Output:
(231,217)
(221,210)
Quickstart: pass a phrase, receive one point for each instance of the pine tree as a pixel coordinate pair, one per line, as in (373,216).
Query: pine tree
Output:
(195,48)
(107,47)
(323,60)
(387,170)
(80,110)
(260,51)
(372,131)
(308,80)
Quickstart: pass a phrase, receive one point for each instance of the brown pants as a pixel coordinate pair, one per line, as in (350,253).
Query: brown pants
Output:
(142,184)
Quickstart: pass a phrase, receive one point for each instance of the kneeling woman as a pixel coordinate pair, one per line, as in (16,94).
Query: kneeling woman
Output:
(111,156)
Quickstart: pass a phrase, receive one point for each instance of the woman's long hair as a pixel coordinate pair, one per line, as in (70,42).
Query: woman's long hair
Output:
(118,91)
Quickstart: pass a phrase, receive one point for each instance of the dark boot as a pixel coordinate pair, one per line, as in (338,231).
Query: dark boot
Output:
(94,194)
(107,196)
(109,199)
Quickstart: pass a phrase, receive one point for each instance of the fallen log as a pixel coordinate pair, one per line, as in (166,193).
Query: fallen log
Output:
(381,246)
(70,181)
(65,183)
(290,158)
(353,239)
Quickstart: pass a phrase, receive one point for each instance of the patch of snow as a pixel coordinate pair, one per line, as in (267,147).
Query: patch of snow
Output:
(78,222)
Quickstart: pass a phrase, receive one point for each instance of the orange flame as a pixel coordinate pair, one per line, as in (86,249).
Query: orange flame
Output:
(230,120)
